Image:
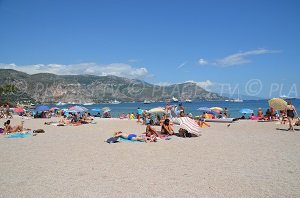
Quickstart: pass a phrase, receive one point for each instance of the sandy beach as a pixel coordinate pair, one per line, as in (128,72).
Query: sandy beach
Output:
(246,159)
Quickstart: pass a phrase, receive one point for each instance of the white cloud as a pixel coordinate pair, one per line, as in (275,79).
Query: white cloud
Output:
(238,58)
(202,61)
(117,69)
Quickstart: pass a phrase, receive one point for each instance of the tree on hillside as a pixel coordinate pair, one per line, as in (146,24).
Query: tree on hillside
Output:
(8,89)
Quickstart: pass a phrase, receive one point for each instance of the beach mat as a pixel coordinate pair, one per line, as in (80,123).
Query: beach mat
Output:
(18,135)
(121,139)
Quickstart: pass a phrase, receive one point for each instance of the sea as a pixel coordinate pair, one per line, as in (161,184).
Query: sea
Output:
(233,107)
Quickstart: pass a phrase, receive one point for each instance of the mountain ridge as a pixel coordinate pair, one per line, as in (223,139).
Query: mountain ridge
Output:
(51,88)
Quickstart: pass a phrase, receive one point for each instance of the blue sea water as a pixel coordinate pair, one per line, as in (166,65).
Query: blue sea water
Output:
(233,107)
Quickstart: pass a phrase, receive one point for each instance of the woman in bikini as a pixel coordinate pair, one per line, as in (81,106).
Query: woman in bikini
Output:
(290,113)
(9,129)
(166,128)
(151,132)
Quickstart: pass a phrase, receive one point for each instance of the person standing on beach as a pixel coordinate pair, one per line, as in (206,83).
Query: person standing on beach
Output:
(290,113)
(139,113)
(226,113)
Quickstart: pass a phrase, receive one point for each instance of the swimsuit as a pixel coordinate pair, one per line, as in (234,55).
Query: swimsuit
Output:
(290,113)
(130,136)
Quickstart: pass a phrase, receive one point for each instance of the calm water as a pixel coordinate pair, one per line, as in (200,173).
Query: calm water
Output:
(233,107)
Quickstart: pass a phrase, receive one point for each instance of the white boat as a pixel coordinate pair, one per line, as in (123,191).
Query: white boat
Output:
(237,100)
(60,104)
(115,102)
(88,103)
(188,101)
(147,102)
(287,97)
(174,99)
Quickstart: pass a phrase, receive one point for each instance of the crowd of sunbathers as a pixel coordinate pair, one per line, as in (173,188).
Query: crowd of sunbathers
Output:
(74,119)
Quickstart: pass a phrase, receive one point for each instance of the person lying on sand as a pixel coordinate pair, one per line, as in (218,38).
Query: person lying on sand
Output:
(64,121)
(131,136)
(9,129)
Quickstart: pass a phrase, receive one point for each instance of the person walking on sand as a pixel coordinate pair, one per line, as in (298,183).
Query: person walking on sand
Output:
(290,111)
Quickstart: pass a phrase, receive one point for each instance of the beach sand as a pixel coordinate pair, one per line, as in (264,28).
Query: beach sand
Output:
(246,159)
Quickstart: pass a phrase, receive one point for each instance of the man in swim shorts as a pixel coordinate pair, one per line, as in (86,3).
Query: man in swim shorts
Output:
(130,136)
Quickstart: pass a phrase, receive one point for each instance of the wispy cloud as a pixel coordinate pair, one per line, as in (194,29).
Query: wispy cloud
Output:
(117,69)
(237,58)
(182,65)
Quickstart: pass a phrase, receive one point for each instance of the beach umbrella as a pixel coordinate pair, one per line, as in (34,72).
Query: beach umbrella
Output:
(42,108)
(77,109)
(96,109)
(157,110)
(188,124)
(246,111)
(206,109)
(18,110)
(277,103)
(105,109)
(216,109)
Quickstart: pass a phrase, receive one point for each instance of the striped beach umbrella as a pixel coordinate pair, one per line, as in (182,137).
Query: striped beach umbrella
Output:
(189,124)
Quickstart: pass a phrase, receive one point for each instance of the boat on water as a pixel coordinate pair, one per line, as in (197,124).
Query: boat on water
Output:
(188,101)
(174,99)
(237,100)
(60,104)
(284,97)
(147,102)
(115,102)
(88,103)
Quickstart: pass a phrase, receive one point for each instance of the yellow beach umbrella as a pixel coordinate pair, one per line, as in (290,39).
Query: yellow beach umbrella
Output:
(216,108)
(277,103)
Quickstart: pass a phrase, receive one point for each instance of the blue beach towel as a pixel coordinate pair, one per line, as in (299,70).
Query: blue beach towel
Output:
(126,140)
(18,135)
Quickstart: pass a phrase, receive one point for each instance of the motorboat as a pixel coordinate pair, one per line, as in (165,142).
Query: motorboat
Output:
(147,102)
(188,101)
(174,99)
(115,102)
(60,104)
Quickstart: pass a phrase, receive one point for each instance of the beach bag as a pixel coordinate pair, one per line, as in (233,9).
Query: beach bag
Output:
(39,131)
(112,140)
(1,130)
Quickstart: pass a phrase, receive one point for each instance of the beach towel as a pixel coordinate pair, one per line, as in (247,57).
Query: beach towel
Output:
(121,139)
(18,135)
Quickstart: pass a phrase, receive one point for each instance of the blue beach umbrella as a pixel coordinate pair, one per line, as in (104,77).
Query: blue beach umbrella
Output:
(246,111)
(96,110)
(42,108)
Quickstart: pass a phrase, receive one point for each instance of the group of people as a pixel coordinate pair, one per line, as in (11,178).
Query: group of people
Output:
(5,112)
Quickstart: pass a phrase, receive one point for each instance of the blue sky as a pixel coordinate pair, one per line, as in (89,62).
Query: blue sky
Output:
(251,45)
